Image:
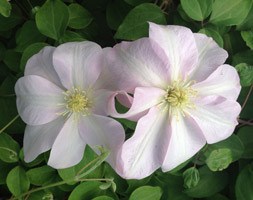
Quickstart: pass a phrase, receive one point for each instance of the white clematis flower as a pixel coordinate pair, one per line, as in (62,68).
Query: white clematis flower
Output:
(64,105)
(183,97)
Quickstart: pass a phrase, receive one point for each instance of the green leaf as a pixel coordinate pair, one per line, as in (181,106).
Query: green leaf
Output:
(135,25)
(13,20)
(41,175)
(12,60)
(248,38)
(209,184)
(79,17)
(197,9)
(219,159)
(5,8)
(137,2)
(116,11)
(4,169)
(245,135)
(29,52)
(42,195)
(247,22)
(230,12)
(102,198)
(9,149)
(246,74)
(71,36)
(85,191)
(27,35)
(52,19)
(17,181)
(243,57)
(244,182)
(214,34)
(191,177)
(33,163)
(89,156)
(233,143)
(147,193)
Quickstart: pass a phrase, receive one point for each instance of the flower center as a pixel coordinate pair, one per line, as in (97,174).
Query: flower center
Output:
(179,96)
(76,101)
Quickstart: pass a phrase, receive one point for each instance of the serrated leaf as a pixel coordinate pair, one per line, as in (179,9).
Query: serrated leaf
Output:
(248,38)
(5,8)
(197,9)
(209,184)
(246,74)
(244,182)
(219,159)
(9,149)
(41,175)
(230,12)
(27,35)
(17,181)
(135,24)
(79,17)
(52,19)
(191,177)
(147,193)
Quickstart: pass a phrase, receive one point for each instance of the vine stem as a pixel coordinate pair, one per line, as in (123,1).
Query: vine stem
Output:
(247,97)
(7,125)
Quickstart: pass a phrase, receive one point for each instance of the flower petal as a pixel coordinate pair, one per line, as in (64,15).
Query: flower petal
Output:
(78,64)
(40,138)
(186,139)
(144,152)
(68,148)
(38,100)
(179,45)
(139,63)
(144,98)
(41,64)
(224,81)
(211,56)
(216,120)
(103,131)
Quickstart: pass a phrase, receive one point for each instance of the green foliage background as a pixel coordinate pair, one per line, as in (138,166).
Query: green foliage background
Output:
(222,171)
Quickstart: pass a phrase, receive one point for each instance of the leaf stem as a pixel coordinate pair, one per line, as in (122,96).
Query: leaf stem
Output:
(7,125)
(241,121)
(247,97)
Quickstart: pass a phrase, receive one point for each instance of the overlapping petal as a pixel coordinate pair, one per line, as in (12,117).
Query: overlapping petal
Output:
(224,81)
(185,140)
(40,138)
(97,130)
(141,63)
(78,64)
(144,152)
(179,45)
(144,98)
(38,100)
(68,147)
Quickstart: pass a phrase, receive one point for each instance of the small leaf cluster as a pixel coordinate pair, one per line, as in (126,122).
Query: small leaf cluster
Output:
(221,171)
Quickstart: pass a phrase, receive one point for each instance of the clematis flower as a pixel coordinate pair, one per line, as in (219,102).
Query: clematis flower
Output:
(183,97)
(61,100)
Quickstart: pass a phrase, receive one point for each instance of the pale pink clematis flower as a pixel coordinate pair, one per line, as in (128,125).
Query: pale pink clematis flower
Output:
(184,96)
(61,101)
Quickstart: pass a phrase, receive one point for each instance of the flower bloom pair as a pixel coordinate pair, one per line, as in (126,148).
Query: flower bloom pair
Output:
(182,97)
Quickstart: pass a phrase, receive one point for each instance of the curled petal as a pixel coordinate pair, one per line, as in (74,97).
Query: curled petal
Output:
(144,98)
(38,100)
